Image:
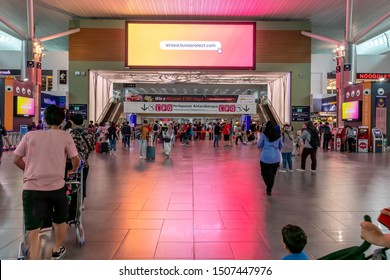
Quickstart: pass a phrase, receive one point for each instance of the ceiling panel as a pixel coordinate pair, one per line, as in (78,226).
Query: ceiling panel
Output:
(327,17)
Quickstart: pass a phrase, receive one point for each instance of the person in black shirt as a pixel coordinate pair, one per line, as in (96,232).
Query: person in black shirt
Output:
(112,137)
(3,134)
(126,131)
(217,132)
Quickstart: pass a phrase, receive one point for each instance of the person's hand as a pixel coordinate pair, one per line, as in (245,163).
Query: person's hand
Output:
(370,232)
(70,173)
(386,211)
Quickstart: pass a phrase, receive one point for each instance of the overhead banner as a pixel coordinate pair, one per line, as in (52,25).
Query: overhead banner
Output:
(190,98)
(189,108)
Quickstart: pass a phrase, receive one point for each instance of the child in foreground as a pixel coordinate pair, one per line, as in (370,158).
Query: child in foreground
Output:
(294,240)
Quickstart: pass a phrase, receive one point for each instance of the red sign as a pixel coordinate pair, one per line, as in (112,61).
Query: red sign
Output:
(363,145)
(164,107)
(226,108)
(372,76)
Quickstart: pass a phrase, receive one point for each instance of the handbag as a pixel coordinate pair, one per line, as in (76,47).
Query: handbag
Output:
(167,139)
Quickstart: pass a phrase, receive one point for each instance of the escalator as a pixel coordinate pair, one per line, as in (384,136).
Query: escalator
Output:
(116,112)
(112,111)
(267,113)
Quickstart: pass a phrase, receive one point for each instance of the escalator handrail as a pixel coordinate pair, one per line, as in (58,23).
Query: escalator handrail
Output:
(106,108)
(118,106)
(266,101)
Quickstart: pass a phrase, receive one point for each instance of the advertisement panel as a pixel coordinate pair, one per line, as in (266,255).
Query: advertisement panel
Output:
(190,45)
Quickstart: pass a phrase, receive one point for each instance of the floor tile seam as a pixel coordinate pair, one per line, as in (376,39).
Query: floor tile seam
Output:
(120,243)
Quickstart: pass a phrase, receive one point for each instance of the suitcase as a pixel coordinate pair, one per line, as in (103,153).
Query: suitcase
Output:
(150,152)
(104,148)
(97,148)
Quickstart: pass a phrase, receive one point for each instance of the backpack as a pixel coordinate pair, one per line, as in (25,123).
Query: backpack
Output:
(189,131)
(155,127)
(314,139)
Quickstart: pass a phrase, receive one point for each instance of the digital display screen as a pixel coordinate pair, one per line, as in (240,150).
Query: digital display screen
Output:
(377,132)
(190,45)
(24,106)
(351,111)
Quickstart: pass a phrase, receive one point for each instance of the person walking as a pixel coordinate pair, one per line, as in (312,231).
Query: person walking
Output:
(85,143)
(167,139)
(217,133)
(350,135)
(327,135)
(42,156)
(143,131)
(3,134)
(308,149)
(287,149)
(270,144)
(238,134)
(126,132)
(112,137)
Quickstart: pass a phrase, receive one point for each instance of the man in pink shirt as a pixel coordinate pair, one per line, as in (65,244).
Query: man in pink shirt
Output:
(42,156)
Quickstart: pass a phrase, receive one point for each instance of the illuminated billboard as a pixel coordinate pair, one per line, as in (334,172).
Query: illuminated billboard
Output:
(190,45)
(24,106)
(351,111)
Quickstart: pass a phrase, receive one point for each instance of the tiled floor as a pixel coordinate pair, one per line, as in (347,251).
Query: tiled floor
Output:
(209,203)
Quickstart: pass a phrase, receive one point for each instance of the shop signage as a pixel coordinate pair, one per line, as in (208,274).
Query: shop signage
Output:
(372,76)
(9,72)
(63,77)
(48,99)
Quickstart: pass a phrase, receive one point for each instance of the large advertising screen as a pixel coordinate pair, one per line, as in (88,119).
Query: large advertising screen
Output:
(190,45)
(351,111)
(24,106)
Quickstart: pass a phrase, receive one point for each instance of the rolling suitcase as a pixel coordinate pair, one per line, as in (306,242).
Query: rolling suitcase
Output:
(97,149)
(104,148)
(150,152)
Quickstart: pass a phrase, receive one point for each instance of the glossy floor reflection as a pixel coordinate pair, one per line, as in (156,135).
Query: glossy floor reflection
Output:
(209,203)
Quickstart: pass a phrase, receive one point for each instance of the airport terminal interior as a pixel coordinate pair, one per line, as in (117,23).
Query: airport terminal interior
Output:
(204,202)
(209,203)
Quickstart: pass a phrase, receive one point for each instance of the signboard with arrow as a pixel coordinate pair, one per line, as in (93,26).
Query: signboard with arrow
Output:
(189,108)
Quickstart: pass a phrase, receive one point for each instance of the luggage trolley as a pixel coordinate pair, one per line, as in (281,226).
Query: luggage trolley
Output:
(75,196)
(74,192)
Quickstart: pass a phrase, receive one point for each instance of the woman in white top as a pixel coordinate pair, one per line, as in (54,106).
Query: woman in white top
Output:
(168,135)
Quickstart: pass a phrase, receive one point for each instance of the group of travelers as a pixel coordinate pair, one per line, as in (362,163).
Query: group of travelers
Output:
(44,155)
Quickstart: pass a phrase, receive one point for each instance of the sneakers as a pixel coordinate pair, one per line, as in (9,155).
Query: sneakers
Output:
(301,170)
(140,157)
(312,171)
(282,170)
(58,255)
(290,171)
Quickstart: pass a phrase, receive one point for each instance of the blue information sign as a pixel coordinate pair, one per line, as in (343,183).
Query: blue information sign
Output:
(300,113)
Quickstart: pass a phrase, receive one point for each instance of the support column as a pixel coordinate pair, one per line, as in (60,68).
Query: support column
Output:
(339,84)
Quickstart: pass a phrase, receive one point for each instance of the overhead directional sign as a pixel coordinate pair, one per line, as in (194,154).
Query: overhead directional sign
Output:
(189,108)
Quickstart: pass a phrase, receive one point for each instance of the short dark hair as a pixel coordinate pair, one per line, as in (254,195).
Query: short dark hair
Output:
(294,237)
(54,115)
(77,119)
